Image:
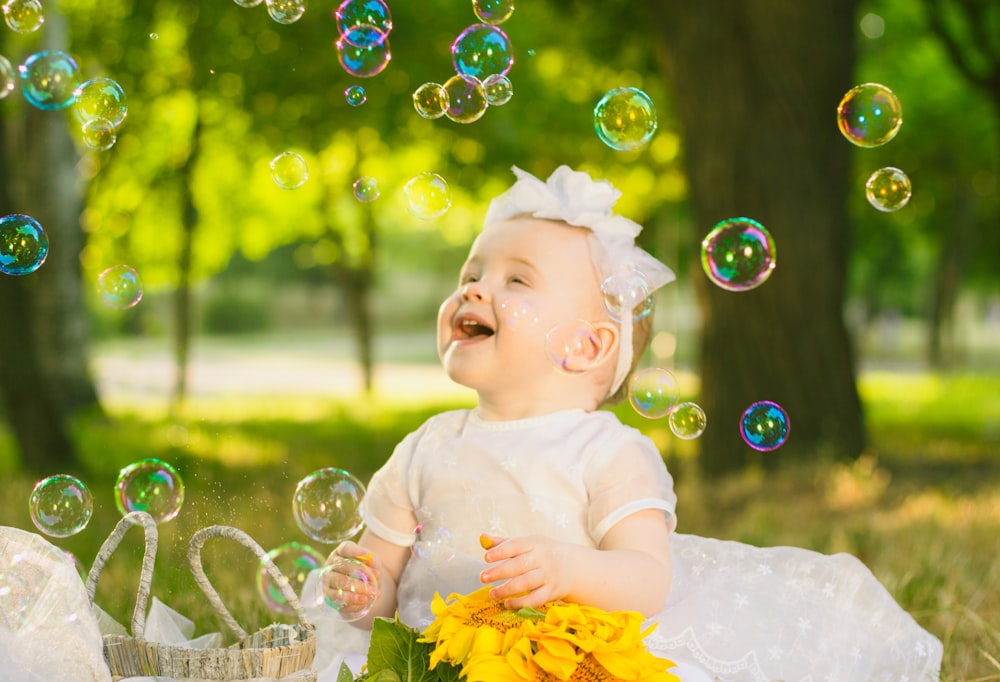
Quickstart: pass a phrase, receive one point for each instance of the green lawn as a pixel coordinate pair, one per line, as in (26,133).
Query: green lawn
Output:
(921,508)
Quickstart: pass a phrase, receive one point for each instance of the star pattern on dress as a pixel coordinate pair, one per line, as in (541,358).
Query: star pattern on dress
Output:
(562,520)
(775,652)
(507,463)
(740,601)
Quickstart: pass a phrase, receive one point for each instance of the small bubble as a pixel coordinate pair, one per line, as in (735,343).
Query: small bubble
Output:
(24,246)
(430,100)
(687,421)
(653,392)
(428,196)
(869,115)
(888,189)
(366,189)
(60,505)
(355,95)
(625,118)
(289,170)
(764,426)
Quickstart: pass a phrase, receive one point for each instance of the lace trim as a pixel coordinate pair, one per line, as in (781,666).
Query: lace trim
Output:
(688,640)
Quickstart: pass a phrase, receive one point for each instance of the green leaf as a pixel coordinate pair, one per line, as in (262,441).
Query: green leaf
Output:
(345,674)
(394,647)
(531,613)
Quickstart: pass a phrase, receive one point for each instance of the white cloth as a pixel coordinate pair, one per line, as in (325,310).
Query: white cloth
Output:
(734,612)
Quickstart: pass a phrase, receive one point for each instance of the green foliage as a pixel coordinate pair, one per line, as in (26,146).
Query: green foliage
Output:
(397,654)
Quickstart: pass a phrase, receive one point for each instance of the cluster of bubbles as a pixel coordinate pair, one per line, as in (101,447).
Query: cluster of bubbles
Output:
(327,505)
(764,426)
(869,115)
(625,118)
(152,486)
(289,170)
(295,561)
(738,254)
(363,43)
(23,16)
(653,392)
(282,11)
(24,245)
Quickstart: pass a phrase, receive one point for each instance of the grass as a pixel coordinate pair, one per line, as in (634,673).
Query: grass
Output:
(921,508)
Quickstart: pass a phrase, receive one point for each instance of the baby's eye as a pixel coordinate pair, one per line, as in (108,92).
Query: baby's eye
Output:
(468,277)
(518,280)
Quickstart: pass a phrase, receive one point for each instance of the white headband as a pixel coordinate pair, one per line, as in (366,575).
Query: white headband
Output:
(574,198)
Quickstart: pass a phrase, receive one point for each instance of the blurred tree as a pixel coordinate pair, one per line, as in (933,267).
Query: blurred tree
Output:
(756,84)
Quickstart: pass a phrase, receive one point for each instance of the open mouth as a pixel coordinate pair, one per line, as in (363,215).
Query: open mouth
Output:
(470,327)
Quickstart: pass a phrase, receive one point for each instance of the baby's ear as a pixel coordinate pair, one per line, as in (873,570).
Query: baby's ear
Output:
(609,335)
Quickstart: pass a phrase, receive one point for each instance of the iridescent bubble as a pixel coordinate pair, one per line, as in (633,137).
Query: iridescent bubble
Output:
(365,61)
(738,254)
(888,189)
(574,346)
(327,505)
(482,50)
(119,287)
(150,485)
(466,99)
(350,587)
(519,313)
(497,89)
(23,244)
(869,115)
(98,134)
(23,16)
(8,77)
(764,426)
(289,170)
(248,3)
(428,196)
(49,79)
(628,291)
(493,11)
(101,98)
(653,392)
(60,505)
(432,543)
(687,421)
(430,100)
(363,22)
(286,11)
(366,189)
(355,95)
(295,561)
(625,118)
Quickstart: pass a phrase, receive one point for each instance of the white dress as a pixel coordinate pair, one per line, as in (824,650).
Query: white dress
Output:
(734,611)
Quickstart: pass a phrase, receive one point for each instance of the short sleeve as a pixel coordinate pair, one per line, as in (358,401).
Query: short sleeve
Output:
(626,475)
(387,507)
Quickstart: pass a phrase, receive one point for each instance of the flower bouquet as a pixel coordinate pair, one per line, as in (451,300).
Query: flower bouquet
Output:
(477,639)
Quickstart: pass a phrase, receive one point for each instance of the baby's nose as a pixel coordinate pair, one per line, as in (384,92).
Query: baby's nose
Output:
(473,291)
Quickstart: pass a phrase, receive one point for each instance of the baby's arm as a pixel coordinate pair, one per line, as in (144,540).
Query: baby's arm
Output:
(630,571)
(387,560)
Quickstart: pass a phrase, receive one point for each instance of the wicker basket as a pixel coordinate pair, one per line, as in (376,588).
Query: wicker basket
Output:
(277,652)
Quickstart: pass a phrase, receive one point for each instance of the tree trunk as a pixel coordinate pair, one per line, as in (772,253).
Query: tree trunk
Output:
(756,84)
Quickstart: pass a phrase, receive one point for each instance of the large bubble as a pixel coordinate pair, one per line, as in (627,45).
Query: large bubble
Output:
(60,505)
(428,196)
(119,287)
(100,98)
(8,77)
(738,254)
(289,170)
(327,505)
(625,118)
(295,561)
(23,16)
(365,61)
(869,115)
(49,79)
(765,426)
(466,99)
(888,189)
(363,22)
(150,485)
(430,100)
(482,50)
(653,392)
(24,245)
(627,292)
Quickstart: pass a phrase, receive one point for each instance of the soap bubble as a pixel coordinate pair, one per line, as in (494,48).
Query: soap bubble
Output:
(764,426)
(248,3)
(150,485)
(888,189)
(98,134)
(482,50)
(493,11)
(327,505)
(289,170)
(355,95)
(498,90)
(428,196)
(627,292)
(869,115)
(60,505)
(119,287)
(23,16)
(430,100)
(100,98)
(8,77)
(286,11)
(363,22)
(295,561)
(366,189)
(351,587)
(653,392)
(466,99)
(519,313)
(738,254)
(436,544)
(687,421)
(625,118)
(23,244)
(49,79)
(365,61)
(574,346)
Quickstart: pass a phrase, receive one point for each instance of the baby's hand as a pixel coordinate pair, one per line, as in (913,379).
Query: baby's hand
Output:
(536,569)
(350,585)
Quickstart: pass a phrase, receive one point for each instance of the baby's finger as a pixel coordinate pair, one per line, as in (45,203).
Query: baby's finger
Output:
(489,541)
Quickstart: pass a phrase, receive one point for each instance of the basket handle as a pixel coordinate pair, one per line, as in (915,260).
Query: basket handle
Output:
(194,559)
(136,518)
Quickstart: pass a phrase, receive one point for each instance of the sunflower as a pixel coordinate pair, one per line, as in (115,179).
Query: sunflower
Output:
(559,641)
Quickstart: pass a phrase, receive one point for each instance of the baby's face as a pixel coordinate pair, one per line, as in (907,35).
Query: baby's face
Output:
(523,277)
